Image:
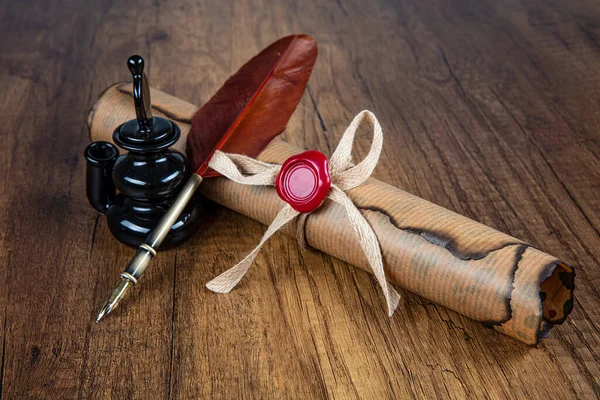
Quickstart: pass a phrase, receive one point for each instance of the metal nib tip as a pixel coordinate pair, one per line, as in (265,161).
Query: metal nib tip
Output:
(113,300)
(102,313)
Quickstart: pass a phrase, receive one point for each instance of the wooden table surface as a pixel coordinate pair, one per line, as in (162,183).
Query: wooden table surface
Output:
(491,109)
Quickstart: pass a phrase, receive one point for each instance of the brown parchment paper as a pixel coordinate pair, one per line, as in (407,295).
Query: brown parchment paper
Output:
(449,259)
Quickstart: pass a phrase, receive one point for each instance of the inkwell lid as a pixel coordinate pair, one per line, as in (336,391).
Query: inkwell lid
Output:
(146,133)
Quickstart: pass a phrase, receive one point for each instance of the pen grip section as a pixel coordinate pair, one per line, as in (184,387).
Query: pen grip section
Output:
(138,263)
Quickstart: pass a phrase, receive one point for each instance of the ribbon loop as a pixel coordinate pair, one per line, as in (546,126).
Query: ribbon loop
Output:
(236,167)
(344,175)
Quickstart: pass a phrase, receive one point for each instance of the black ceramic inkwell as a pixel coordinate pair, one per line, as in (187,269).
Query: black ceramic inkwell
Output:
(134,190)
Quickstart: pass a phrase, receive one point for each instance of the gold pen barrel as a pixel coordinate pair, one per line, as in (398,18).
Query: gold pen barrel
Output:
(159,233)
(147,250)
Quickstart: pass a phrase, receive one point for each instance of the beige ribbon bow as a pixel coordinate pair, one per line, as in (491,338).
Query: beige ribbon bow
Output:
(344,176)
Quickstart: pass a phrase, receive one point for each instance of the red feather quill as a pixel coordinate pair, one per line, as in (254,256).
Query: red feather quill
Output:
(254,105)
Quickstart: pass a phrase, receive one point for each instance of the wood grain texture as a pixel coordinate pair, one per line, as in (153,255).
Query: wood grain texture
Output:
(490,109)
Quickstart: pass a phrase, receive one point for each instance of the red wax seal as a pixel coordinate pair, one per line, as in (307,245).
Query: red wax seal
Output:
(303,181)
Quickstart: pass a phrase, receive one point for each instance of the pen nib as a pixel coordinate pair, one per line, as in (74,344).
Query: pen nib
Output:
(103,311)
(114,299)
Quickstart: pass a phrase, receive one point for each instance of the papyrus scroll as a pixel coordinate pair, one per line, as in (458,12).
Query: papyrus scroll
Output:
(449,259)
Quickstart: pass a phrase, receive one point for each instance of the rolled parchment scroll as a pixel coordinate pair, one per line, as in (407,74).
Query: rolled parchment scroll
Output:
(442,256)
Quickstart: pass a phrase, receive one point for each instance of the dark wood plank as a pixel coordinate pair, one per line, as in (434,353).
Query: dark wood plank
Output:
(490,109)
(61,259)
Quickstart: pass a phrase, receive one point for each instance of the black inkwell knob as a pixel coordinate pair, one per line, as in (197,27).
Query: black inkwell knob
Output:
(134,190)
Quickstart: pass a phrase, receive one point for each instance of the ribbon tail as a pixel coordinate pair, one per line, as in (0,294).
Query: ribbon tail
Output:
(370,246)
(230,278)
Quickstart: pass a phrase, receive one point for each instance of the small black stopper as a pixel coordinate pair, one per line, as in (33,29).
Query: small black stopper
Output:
(135,64)
(145,133)
(141,93)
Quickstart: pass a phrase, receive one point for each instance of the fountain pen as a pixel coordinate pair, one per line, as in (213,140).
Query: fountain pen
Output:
(147,250)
